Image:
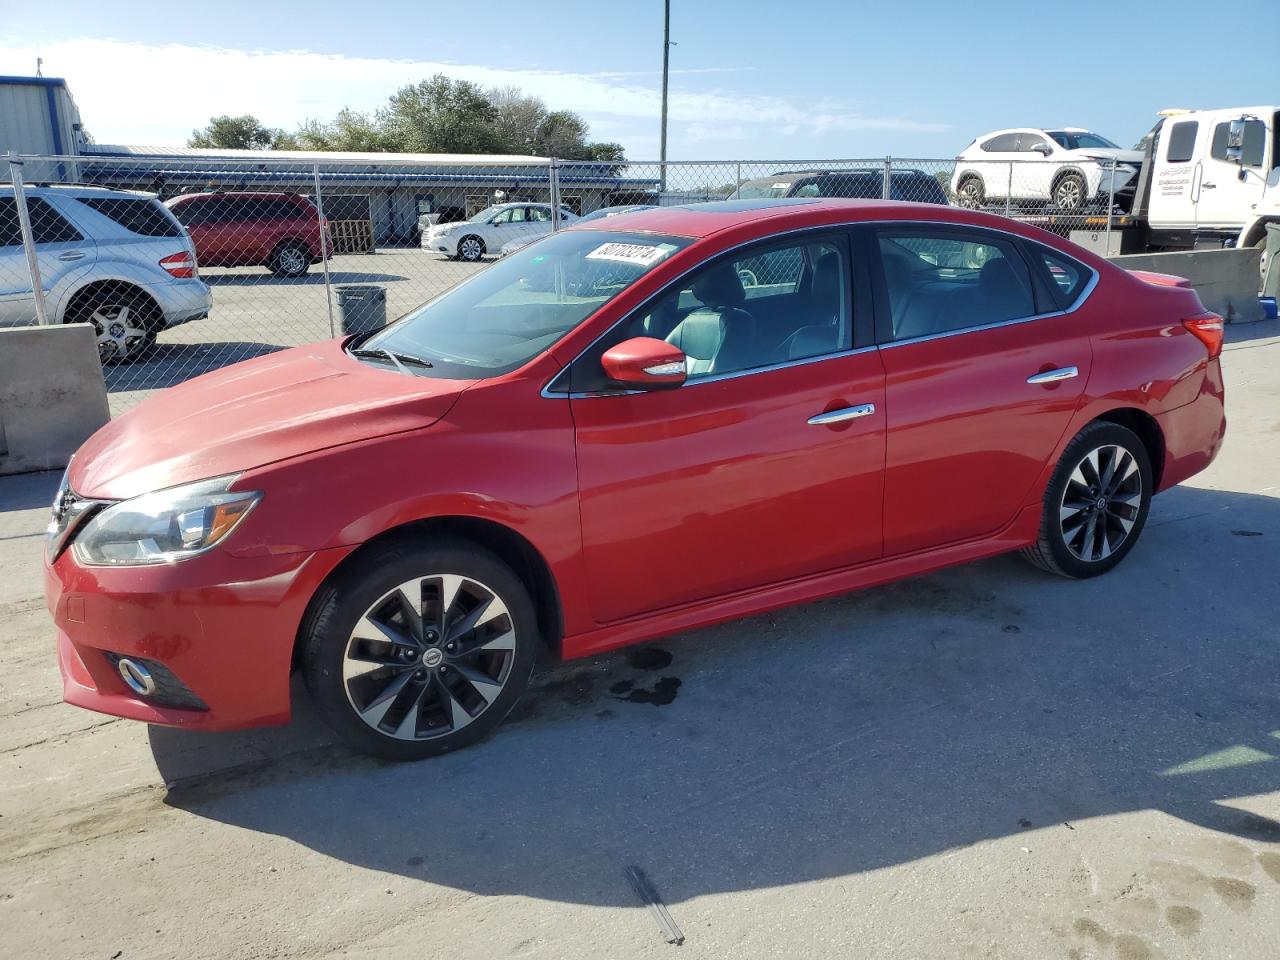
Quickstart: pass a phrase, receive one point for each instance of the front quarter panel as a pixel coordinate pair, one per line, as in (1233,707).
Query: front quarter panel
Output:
(503,453)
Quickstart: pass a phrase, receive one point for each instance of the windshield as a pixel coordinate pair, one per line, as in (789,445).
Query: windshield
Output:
(763,190)
(509,313)
(1080,141)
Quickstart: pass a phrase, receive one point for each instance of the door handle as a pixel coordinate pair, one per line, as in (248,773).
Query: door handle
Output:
(71,255)
(1053,376)
(839,416)
(1209,186)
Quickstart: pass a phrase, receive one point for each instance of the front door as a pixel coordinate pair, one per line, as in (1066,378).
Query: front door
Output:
(981,377)
(766,465)
(1235,174)
(62,252)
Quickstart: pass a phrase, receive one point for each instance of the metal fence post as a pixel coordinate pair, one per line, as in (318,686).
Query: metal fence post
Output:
(884,182)
(1008,193)
(737,181)
(1111,205)
(324,247)
(28,239)
(553,181)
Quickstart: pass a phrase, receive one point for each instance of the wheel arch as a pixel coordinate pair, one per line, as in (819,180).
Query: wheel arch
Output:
(507,544)
(484,247)
(100,285)
(1148,431)
(1064,172)
(1256,230)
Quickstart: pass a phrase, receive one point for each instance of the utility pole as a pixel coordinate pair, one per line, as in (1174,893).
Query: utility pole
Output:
(666,58)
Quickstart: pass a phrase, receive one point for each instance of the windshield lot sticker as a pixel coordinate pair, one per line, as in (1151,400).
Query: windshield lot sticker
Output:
(639,254)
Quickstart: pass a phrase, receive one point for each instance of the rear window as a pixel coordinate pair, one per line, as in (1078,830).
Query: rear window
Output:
(137,215)
(1182,141)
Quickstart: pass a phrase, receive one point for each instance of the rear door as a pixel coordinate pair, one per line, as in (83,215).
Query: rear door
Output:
(62,252)
(983,374)
(1176,187)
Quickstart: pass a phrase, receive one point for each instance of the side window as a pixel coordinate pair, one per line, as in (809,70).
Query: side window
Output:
(1249,146)
(1004,143)
(504,217)
(48,225)
(146,218)
(1028,142)
(942,282)
(1182,141)
(1068,276)
(787,303)
(187,213)
(539,215)
(810,189)
(10,232)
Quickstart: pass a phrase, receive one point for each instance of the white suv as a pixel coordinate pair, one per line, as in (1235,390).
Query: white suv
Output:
(1069,168)
(113,258)
(490,229)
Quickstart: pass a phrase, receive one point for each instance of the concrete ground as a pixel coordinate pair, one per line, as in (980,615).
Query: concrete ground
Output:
(986,762)
(255,312)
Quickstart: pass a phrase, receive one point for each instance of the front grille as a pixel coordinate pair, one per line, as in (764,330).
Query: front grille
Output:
(170,691)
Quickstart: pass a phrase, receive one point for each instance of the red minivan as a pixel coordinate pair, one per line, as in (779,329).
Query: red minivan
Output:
(280,231)
(634,427)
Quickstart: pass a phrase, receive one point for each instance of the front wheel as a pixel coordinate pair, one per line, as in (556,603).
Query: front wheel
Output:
(1070,193)
(1096,503)
(290,260)
(971,194)
(420,649)
(470,249)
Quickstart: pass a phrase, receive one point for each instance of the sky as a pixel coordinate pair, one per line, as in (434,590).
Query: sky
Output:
(809,80)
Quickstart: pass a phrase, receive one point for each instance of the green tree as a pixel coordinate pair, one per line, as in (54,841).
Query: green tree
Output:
(350,130)
(441,115)
(234,133)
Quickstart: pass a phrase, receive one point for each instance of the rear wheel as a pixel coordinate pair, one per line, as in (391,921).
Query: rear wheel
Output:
(420,650)
(125,321)
(290,260)
(1096,503)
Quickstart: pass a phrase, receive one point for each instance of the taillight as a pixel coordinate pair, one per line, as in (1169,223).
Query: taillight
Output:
(1208,329)
(181,265)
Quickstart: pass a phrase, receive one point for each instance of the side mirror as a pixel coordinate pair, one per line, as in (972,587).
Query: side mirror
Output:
(1043,149)
(645,363)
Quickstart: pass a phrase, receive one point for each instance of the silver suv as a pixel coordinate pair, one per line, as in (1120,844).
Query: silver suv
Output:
(113,258)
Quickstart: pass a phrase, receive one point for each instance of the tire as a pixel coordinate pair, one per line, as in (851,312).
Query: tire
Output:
(971,193)
(1064,545)
(1070,193)
(125,319)
(291,259)
(424,695)
(470,248)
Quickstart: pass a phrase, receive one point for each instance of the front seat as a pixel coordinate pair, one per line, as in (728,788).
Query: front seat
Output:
(720,335)
(1001,295)
(823,334)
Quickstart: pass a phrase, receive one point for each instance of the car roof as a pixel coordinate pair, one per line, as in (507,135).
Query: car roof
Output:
(239,194)
(699,220)
(75,190)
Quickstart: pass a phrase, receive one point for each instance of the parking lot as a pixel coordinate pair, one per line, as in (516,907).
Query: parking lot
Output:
(255,312)
(986,762)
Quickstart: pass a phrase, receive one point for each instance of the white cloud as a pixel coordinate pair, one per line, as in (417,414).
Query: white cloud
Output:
(155,94)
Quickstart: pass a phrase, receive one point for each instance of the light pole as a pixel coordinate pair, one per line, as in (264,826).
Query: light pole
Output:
(666,58)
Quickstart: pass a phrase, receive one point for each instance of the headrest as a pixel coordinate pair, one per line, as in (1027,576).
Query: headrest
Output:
(719,287)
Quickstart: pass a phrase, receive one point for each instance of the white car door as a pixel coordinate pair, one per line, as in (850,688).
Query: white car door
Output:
(1235,175)
(1176,185)
(997,155)
(506,226)
(1033,173)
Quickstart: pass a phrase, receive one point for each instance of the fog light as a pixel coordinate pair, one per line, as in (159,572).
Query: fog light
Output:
(137,677)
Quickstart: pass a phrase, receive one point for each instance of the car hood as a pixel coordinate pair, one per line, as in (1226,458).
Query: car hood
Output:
(253,413)
(1114,153)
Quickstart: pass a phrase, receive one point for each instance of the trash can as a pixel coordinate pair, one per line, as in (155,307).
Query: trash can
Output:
(1271,276)
(362,308)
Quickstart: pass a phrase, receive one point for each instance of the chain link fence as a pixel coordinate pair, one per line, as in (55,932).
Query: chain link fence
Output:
(187,263)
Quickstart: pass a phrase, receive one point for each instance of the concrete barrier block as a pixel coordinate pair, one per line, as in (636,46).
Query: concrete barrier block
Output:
(1227,280)
(52,395)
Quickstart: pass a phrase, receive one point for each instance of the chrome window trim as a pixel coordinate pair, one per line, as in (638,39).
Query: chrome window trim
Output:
(827,228)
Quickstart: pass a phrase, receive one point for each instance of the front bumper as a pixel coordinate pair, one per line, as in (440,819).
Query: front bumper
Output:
(222,625)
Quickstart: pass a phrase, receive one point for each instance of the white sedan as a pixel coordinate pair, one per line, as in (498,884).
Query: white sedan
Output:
(491,228)
(1069,168)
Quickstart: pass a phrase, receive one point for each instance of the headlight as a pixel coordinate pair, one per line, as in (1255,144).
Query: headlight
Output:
(69,512)
(165,526)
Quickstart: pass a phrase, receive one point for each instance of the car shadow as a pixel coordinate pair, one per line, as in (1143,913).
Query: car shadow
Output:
(823,740)
(172,363)
(314,276)
(1241,333)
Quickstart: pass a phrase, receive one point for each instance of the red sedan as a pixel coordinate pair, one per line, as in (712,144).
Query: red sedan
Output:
(636,426)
